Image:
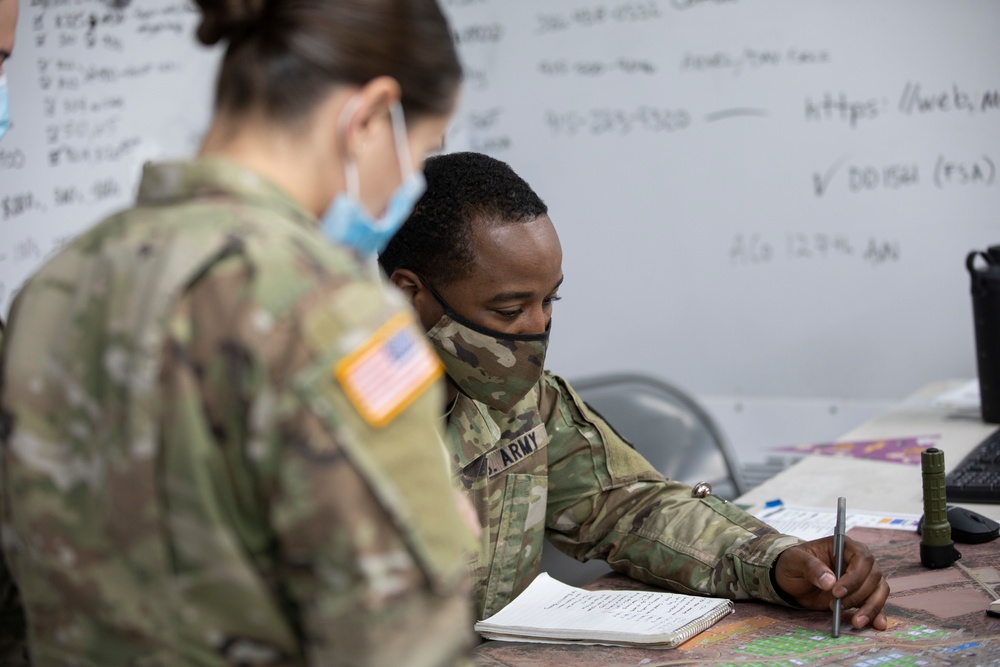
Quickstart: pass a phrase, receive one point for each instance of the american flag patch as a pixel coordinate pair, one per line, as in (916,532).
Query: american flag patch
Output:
(388,371)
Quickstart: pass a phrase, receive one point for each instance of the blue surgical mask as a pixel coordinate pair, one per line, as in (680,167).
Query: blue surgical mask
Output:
(4,106)
(348,223)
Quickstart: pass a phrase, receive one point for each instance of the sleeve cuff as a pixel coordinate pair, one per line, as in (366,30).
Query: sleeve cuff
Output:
(757,564)
(783,597)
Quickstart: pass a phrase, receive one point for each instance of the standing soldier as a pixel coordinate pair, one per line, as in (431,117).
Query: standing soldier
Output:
(11,615)
(218,430)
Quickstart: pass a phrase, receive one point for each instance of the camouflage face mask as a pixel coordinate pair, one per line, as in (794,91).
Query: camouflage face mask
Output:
(489,366)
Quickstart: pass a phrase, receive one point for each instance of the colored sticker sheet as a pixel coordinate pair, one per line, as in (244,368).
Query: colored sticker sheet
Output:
(810,523)
(904,450)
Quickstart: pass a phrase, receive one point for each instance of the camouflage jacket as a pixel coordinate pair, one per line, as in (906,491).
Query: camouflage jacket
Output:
(551,467)
(200,463)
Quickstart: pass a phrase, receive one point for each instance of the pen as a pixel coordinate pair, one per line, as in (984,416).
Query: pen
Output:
(838,550)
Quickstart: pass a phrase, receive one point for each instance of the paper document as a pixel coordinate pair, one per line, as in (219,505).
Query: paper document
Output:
(810,523)
(964,399)
(550,611)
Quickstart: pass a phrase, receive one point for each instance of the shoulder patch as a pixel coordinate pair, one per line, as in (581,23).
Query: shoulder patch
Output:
(388,371)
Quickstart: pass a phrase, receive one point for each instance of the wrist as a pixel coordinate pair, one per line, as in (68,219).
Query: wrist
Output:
(785,597)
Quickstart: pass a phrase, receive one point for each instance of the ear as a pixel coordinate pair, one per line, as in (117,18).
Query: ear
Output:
(408,283)
(428,309)
(369,104)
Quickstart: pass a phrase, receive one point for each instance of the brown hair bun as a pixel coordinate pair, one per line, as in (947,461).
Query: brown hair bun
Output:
(283,56)
(223,19)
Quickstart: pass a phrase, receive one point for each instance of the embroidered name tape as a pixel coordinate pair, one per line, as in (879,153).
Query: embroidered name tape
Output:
(388,371)
(512,451)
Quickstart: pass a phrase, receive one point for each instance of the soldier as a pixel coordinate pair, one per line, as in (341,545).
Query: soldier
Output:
(219,441)
(482,264)
(11,615)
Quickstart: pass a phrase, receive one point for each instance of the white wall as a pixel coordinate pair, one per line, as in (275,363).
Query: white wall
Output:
(95,92)
(704,161)
(757,198)
(767,202)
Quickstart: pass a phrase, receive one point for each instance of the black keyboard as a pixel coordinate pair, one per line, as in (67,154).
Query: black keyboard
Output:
(977,478)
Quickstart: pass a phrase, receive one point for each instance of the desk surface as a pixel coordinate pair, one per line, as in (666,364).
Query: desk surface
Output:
(877,485)
(937,617)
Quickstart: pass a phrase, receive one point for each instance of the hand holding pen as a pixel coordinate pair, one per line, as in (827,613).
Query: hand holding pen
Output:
(806,574)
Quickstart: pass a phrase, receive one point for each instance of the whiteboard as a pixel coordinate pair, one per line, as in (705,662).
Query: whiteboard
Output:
(755,197)
(97,87)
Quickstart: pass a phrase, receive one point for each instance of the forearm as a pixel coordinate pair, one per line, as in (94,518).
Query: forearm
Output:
(662,535)
(606,501)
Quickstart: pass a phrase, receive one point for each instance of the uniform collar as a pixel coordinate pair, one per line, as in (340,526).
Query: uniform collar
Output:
(475,429)
(167,182)
(471,432)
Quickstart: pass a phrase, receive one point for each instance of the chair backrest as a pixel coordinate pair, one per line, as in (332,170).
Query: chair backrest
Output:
(668,427)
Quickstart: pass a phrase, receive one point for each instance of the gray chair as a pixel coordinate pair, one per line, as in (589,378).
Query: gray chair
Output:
(670,429)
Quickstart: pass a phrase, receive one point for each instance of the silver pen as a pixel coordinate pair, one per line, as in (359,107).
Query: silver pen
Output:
(838,550)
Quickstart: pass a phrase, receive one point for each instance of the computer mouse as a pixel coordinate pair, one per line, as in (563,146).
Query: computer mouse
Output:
(971,527)
(968,527)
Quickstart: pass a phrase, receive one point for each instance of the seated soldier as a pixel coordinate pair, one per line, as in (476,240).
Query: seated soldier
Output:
(482,264)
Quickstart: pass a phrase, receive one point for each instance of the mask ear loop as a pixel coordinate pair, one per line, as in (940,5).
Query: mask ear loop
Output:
(444,304)
(402,140)
(351,178)
(466,322)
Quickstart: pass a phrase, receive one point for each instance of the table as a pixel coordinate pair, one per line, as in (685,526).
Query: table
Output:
(937,617)
(880,486)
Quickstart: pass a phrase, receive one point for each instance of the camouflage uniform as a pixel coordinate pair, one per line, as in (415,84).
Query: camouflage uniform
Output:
(186,481)
(552,467)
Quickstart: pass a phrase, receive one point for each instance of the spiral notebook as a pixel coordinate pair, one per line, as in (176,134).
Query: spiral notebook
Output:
(549,611)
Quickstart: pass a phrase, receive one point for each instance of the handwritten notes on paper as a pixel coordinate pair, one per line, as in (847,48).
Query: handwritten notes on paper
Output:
(551,611)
